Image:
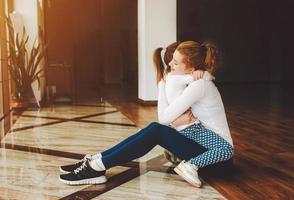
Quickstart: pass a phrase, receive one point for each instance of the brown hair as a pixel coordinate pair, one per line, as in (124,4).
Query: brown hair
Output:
(168,56)
(199,56)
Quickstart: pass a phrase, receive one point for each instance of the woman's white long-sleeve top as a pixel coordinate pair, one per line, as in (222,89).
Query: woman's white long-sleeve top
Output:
(206,103)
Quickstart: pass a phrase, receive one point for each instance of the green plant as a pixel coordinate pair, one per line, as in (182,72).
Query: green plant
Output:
(25,66)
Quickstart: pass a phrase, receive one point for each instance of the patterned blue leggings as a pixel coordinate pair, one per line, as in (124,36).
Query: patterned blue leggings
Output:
(218,149)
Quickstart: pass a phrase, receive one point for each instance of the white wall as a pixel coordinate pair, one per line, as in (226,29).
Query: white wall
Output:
(157,27)
(28,10)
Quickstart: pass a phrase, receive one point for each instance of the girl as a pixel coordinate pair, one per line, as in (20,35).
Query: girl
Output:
(174,83)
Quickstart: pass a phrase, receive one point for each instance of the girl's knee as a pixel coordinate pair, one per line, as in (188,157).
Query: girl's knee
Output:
(153,124)
(153,128)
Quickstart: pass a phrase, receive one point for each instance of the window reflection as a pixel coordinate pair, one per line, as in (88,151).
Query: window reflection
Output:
(4,74)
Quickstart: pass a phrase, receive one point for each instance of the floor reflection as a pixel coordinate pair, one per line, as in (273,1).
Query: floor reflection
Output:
(41,140)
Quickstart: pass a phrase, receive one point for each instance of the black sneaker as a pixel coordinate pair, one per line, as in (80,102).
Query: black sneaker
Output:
(83,175)
(72,167)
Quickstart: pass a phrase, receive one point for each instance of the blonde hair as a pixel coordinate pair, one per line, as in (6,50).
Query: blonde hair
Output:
(199,56)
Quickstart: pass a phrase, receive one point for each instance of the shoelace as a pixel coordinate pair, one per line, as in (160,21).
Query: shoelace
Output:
(76,171)
(86,157)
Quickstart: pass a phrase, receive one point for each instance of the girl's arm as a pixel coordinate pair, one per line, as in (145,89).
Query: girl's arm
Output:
(168,113)
(198,74)
(162,103)
(185,119)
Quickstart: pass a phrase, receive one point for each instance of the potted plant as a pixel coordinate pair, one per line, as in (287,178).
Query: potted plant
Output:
(24,65)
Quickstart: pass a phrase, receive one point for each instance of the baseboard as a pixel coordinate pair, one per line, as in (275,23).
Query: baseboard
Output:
(147,103)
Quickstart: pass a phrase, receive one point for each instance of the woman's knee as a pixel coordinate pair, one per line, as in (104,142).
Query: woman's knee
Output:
(228,152)
(231,152)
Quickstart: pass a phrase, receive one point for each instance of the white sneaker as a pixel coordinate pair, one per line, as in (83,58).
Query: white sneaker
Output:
(188,171)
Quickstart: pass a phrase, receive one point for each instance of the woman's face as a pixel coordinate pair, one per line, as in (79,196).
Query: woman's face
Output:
(178,66)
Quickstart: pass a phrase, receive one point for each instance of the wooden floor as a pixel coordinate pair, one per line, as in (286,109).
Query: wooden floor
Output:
(261,120)
(42,139)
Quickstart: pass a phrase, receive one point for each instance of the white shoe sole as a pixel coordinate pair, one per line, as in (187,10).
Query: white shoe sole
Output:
(62,171)
(184,176)
(96,180)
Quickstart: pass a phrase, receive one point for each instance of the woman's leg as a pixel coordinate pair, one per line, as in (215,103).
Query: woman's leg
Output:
(146,139)
(218,149)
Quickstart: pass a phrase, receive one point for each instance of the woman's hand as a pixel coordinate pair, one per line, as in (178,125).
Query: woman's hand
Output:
(186,118)
(198,74)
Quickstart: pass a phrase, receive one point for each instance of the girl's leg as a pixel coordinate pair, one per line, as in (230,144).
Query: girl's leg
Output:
(218,148)
(93,172)
(132,137)
(146,139)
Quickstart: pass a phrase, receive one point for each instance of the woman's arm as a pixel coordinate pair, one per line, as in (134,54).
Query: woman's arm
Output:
(168,113)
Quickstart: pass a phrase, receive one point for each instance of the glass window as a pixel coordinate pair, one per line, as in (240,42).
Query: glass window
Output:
(2,9)
(1,101)
(4,82)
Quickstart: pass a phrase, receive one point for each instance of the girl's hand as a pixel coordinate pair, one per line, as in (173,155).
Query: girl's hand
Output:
(198,74)
(186,118)
(164,77)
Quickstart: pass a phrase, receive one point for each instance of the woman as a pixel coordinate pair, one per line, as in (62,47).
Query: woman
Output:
(211,131)
(206,142)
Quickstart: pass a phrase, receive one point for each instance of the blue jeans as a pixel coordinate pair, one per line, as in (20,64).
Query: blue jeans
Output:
(146,139)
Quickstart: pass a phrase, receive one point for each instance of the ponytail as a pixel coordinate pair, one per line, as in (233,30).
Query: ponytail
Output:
(159,66)
(211,56)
